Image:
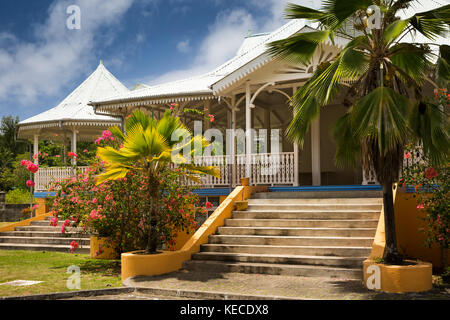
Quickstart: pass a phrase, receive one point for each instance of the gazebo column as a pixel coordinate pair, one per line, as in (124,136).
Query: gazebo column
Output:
(248,133)
(315,151)
(296,153)
(36,148)
(74,146)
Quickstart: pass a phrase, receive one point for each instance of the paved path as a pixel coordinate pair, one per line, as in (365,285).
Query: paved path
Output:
(273,285)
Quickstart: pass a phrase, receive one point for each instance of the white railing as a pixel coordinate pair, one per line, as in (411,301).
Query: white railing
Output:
(265,169)
(45,176)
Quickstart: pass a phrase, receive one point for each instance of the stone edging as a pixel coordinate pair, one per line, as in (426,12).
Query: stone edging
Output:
(201,295)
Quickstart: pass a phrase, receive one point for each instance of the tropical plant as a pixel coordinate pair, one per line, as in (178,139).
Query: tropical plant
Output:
(153,147)
(432,193)
(380,78)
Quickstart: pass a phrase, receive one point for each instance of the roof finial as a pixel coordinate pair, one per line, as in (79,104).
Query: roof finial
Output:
(249,33)
(101,61)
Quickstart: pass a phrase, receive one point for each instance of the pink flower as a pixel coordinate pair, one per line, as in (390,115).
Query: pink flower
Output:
(58,156)
(420,206)
(72,154)
(85,151)
(407,155)
(25,163)
(73,246)
(208,205)
(35,207)
(94,201)
(54,222)
(30,183)
(33,168)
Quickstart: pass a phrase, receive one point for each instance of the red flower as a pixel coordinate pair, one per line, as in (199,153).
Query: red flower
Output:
(430,173)
(407,155)
(419,206)
(30,183)
(33,168)
(72,154)
(208,205)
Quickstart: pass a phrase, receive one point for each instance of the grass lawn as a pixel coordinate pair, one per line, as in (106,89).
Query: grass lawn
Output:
(51,268)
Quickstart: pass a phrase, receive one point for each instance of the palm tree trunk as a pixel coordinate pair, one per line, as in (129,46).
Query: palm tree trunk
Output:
(391,254)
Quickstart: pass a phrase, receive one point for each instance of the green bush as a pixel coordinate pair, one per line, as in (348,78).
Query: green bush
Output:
(18,196)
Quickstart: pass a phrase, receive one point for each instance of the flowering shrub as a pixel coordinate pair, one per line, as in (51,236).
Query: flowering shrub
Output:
(432,187)
(118,209)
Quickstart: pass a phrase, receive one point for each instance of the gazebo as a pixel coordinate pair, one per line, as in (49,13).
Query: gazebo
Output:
(73,119)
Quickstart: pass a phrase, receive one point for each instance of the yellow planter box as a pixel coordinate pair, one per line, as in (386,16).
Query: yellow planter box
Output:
(416,277)
(101,248)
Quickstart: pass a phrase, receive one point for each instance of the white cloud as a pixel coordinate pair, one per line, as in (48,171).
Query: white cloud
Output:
(226,35)
(183,46)
(57,55)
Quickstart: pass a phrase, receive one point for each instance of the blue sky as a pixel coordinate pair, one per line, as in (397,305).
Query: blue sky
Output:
(140,41)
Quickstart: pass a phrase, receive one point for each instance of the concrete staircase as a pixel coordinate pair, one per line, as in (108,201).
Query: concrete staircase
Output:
(40,236)
(295,233)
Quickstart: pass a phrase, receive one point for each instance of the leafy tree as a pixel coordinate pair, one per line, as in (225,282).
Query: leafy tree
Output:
(148,146)
(381,77)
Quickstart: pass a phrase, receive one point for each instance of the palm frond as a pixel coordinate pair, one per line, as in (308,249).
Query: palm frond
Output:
(347,146)
(432,23)
(431,125)
(300,47)
(380,116)
(443,66)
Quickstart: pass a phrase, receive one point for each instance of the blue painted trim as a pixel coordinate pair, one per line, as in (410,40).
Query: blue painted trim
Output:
(326,188)
(44,194)
(212,192)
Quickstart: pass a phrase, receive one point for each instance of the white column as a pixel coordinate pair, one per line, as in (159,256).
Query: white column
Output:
(315,151)
(296,155)
(248,134)
(36,148)
(233,140)
(74,146)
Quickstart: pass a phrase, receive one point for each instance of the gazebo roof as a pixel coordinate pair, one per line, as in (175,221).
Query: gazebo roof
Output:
(200,87)
(74,110)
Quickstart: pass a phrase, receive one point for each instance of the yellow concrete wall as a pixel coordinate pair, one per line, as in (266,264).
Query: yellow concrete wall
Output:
(411,241)
(23,223)
(42,208)
(169,261)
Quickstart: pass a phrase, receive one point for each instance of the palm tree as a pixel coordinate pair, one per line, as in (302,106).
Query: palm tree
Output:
(148,146)
(381,77)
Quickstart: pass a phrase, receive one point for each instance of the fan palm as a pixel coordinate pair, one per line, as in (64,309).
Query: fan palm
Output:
(152,146)
(381,79)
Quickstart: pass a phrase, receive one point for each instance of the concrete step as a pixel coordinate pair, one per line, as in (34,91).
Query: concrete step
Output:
(313,207)
(274,269)
(316,232)
(305,214)
(332,251)
(280,259)
(44,223)
(367,223)
(349,194)
(47,229)
(43,241)
(41,247)
(303,201)
(292,241)
(45,234)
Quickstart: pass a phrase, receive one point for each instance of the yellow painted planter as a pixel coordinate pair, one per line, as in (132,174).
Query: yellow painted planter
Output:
(398,279)
(100,248)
